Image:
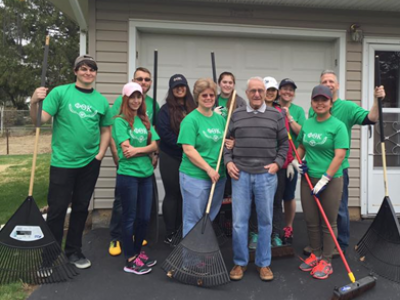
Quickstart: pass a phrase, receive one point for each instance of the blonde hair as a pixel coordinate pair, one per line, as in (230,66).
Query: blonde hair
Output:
(201,85)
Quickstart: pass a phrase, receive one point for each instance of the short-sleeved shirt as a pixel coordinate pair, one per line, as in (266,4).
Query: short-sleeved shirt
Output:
(321,139)
(298,114)
(115,110)
(350,114)
(78,117)
(134,166)
(205,134)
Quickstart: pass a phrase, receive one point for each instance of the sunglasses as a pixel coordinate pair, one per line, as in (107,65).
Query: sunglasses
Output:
(147,79)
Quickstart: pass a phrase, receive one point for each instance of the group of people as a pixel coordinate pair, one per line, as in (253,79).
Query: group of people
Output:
(258,162)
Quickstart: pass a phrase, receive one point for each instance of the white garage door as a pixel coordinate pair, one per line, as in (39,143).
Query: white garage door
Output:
(301,60)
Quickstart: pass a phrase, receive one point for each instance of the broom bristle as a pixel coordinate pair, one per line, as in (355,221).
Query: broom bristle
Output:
(34,266)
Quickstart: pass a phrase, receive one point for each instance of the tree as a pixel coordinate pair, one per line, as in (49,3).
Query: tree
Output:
(24,26)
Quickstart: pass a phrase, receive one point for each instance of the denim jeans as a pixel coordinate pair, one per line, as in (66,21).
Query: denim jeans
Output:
(136,199)
(262,187)
(195,194)
(343,220)
(116,217)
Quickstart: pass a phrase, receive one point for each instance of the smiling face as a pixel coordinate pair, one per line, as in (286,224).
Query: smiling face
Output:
(85,76)
(321,105)
(330,80)
(270,96)
(179,92)
(206,99)
(144,79)
(255,93)
(287,93)
(227,85)
(135,100)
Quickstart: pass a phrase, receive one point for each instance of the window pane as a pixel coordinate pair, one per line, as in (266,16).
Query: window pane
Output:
(389,66)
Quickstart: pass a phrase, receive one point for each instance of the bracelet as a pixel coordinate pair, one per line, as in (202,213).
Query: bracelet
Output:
(326,175)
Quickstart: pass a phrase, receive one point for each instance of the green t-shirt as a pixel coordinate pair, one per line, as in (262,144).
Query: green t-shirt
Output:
(78,118)
(350,114)
(320,139)
(298,114)
(224,110)
(135,166)
(205,134)
(115,110)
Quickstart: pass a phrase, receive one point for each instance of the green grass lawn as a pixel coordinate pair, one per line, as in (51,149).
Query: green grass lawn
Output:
(14,182)
(15,172)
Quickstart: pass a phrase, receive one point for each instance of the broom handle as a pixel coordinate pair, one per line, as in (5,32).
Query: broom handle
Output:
(155,86)
(346,265)
(214,70)
(381,129)
(39,116)
(233,100)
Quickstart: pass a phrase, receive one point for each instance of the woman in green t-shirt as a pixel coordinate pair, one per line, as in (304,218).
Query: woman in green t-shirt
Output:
(201,135)
(135,139)
(324,140)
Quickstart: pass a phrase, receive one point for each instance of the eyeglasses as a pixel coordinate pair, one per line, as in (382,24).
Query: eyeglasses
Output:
(253,91)
(84,69)
(147,79)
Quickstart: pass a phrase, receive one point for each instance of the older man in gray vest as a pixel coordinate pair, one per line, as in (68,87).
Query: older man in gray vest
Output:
(261,145)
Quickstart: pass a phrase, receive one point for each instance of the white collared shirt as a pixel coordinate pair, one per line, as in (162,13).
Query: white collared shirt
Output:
(256,111)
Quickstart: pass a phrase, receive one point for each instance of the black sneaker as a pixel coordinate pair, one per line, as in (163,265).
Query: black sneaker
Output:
(168,239)
(79,260)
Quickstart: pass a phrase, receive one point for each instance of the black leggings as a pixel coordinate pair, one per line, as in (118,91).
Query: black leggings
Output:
(172,205)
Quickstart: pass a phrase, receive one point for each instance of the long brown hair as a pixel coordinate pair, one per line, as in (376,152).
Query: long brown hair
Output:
(176,114)
(220,78)
(127,114)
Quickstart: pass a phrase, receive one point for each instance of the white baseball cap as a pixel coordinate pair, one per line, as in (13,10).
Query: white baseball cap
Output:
(270,82)
(130,88)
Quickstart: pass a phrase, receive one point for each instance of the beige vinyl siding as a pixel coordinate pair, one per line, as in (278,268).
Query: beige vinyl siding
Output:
(108,41)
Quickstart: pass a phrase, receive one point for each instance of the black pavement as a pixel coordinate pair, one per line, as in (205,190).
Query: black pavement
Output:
(107,280)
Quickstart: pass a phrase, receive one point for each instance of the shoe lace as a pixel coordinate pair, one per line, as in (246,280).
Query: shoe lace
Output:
(322,266)
(138,262)
(143,256)
(288,232)
(312,259)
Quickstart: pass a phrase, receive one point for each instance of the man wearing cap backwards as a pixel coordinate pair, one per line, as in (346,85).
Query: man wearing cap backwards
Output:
(296,117)
(261,146)
(350,114)
(142,76)
(81,135)
(324,140)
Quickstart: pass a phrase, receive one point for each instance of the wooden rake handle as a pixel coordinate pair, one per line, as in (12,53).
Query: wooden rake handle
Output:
(39,116)
(233,101)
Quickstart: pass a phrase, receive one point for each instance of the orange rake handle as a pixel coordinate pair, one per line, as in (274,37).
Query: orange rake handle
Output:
(346,265)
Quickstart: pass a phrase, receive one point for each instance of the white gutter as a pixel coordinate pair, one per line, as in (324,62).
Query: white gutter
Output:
(76,8)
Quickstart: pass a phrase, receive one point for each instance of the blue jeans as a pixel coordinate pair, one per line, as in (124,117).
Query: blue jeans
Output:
(343,220)
(115,222)
(136,199)
(262,187)
(195,194)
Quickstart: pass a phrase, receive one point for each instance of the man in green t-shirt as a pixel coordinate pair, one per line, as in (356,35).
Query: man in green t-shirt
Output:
(350,114)
(81,134)
(142,76)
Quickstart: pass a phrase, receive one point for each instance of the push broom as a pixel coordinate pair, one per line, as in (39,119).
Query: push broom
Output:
(197,260)
(355,288)
(28,250)
(379,248)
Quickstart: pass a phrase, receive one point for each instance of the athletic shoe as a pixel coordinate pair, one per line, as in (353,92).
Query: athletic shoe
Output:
(147,260)
(137,267)
(275,240)
(253,241)
(79,260)
(322,270)
(288,235)
(168,239)
(144,243)
(309,263)
(115,248)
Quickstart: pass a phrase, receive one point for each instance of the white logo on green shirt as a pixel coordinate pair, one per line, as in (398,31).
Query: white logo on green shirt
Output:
(213,134)
(313,137)
(139,134)
(83,110)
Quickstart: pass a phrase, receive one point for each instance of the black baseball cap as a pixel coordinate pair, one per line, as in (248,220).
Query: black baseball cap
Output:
(321,90)
(287,81)
(177,80)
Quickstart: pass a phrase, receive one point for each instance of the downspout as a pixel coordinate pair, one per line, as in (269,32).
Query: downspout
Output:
(77,9)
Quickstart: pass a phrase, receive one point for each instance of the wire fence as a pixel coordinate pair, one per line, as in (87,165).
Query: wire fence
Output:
(17,133)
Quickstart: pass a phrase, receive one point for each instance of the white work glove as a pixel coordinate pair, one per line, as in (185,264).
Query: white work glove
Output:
(321,184)
(219,110)
(294,165)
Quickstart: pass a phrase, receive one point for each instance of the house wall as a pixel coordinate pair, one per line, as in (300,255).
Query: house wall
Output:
(108,42)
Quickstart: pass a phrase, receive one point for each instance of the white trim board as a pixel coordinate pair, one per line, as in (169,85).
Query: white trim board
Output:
(139,25)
